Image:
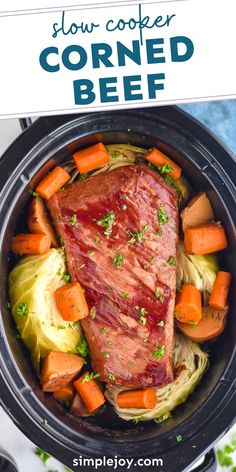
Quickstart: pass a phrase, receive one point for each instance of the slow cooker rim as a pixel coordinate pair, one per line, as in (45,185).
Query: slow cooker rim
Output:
(136,112)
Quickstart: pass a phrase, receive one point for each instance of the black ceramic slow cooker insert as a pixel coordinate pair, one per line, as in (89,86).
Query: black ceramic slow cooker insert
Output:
(211,409)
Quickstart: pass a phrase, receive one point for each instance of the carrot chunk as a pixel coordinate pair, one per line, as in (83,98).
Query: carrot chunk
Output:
(31,243)
(220,291)
(59,369)
(188,306)
(65,394)
(91,158)
(159,159)
(137,399)
(211,325)
(52,182)
(71,302)
(38,220)
(90,392)
(205,239)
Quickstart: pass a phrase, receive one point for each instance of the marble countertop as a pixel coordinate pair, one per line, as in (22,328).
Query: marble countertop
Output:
(220,117)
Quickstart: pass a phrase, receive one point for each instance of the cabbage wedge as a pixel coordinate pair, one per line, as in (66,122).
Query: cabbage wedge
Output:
(186,353)
(32,284)
(197,270)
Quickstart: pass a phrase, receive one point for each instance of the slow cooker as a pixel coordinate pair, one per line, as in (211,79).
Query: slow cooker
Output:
(211,409)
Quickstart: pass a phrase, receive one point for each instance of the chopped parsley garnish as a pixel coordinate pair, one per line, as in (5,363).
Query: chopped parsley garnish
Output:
(159,232)
(93,312)
(8,305)
(75,323)
(67,277)
(132,364)
(91,253)
(159,296)
(59,272)
(73,220)
(124,295)
(192,323)
(97,240)
(61,327)
(107,222)
(81,266)
(44,456)
(223,455)
(82,347)
(111,376)
(60,240)
(132,236)
(169,179)
(106,355)
(22,309)
(159,353)
(165,168)
(178,438)
(33,193)
(109,343)
(62,189)
(224,459)
(161,324)
(110,289)
(137,236)
(162,216)
(118,260)
(89,377)
(84,176)
(143,313)
(103,330)
(171,261)
(124,207)
(136,420)
(115,154)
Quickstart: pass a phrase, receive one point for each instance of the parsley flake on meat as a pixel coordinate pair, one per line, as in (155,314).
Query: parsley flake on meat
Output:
(111,376)
(107,222)
(162,216)
(171,261)
(137,236)
(159,353)
(118,260)
(159,296)
(161,324)
(73,220)
(106,355)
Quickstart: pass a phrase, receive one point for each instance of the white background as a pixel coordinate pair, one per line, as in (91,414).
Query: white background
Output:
(26,89)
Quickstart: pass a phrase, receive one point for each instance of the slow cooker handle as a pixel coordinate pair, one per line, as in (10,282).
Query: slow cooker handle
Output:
(209,464)
(25,123)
